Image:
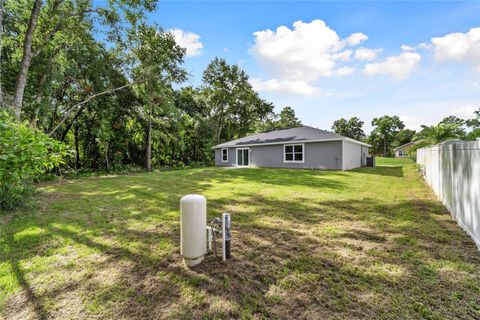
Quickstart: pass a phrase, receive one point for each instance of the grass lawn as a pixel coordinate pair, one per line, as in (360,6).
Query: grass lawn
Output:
(368,243)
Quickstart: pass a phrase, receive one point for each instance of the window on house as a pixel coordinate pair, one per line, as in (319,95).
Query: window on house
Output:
(225,155)
(293,153)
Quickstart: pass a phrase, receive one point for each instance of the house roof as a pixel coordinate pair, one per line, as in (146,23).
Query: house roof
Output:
(281,136)
(406,145)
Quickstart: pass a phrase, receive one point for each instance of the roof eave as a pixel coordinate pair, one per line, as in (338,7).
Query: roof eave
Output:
(405,145)
(219,146)
(358,142)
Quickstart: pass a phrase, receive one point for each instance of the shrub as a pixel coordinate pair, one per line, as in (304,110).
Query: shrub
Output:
(17,195)
(25,153)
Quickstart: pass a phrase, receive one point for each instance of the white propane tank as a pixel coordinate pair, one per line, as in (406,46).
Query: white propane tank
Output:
(193,224)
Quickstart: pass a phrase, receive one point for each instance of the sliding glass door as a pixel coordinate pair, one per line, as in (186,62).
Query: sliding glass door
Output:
(242,157)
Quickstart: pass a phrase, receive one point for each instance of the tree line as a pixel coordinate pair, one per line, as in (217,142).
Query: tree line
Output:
(389,132)
(106,83)
(92,86)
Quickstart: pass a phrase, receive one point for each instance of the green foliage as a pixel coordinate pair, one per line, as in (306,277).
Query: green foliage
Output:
(283,120)
(383,135)
(474,124)
(457,123)
(437,133)
(234,107)
(26,152)
(287,119)
(13,196)
(351,128)
(403,136)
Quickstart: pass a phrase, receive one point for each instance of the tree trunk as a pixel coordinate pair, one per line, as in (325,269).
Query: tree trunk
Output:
(149,145)
(194,151)
(107,163)
(77,149)
(65,132)
(218,132)
(384,146)
(26,59)
(38,97)
(1,34)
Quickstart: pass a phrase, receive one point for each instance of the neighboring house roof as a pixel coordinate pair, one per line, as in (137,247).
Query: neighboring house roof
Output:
(291,135)
(406,145)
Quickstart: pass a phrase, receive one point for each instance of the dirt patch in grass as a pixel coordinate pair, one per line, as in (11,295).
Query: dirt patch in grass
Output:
(4,219)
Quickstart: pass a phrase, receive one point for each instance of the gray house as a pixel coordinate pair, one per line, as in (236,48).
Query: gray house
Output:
(302,147)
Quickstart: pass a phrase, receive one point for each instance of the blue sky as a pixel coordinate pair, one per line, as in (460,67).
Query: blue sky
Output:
(316,66)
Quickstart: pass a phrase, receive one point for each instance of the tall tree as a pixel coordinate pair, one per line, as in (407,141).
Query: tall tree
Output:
(111,96)
(155,60)
(351,128)
(386,128)
(26,59)
(458,123)
(474,125)
(403,136)
(233,103)
(1,45)
(50,24)
(287,119)
(437,133)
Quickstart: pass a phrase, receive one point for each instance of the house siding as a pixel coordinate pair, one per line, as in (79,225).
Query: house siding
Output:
(317,155)
(231,158)
(405,151)
(365,151)
(353,155)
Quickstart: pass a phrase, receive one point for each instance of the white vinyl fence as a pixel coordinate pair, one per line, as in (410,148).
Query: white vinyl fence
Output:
(452,169)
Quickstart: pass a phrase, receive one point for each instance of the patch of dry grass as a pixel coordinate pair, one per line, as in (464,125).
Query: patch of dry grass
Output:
(369,243)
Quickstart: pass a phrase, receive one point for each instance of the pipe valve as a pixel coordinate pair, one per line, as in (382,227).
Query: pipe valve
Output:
(225,232)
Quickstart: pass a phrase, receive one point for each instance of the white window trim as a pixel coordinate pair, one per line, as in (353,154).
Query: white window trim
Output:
(293,145)
(236,156)
(221,154)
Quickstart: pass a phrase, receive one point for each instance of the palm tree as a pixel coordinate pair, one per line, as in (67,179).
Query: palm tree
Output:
(437,133)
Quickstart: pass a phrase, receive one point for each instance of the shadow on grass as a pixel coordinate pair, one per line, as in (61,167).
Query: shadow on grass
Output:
(35,300)
(285,177)
(392,171)
(292,258)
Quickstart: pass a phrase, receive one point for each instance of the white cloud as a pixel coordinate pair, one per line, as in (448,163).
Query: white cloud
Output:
(189,41)
(462,47)
(344,71)
(424,45)
(355,39)
(405,47)
(284,87)
(364,54)
(306,52)
(410,122)
(343,55)
(399,67)
(464,111)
